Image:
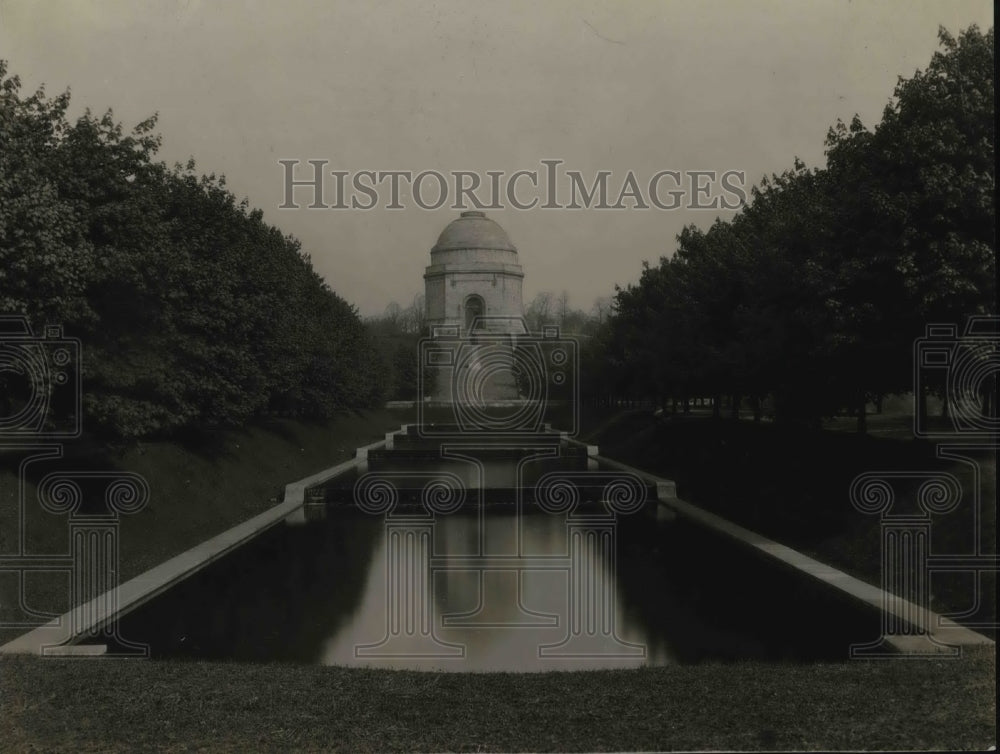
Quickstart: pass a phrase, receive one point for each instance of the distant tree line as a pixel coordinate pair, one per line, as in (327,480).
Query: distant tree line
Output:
(813,295)
(547,309)
(192,310)
(396,335)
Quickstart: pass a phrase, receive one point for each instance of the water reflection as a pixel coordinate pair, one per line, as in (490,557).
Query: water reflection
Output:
(516,599)
(489,607)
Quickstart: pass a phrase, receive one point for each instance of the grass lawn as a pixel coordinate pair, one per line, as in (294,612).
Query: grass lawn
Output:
(127,706)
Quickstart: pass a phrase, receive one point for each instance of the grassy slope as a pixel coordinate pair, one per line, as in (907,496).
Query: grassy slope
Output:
(239,476)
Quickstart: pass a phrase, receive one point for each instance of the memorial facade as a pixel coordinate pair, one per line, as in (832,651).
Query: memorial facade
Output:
(474,274)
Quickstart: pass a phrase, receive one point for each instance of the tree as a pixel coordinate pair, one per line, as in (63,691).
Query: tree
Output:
(539,312)
(192,311)
(917,221)
(46,258)
(815,292)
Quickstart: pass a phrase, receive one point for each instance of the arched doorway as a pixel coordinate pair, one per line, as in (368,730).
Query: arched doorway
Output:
(474,307)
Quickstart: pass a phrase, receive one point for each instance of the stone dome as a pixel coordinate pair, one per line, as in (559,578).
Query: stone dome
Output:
(474,273)
(473,230)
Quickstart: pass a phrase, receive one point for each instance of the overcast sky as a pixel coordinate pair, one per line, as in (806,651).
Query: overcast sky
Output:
(449,86)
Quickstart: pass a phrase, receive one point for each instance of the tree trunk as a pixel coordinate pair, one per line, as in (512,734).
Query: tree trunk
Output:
(922,407)
(989,397)
(862,412)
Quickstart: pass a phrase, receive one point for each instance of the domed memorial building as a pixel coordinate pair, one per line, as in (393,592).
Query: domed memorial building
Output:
(474,314)
(474,279)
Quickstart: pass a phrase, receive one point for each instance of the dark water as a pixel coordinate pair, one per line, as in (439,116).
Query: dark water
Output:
(495,590)
(494,554)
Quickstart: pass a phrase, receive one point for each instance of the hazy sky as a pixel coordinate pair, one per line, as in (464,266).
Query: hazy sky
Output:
(449,86)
